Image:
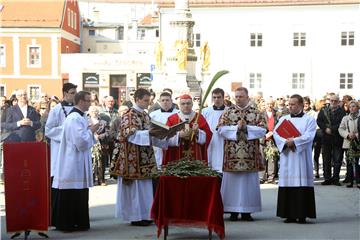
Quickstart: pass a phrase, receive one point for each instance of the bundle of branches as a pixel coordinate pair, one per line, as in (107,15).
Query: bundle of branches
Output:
(186,168)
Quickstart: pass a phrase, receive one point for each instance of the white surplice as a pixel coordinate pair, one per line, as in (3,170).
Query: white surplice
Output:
(240,191)
(134,200)
(216,146)
(296,168)
(53,130)
(74,166)
(162,117)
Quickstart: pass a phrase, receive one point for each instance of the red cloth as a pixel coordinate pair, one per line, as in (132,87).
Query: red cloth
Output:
(199,151)
(192,201)
(185,96)
(26,171)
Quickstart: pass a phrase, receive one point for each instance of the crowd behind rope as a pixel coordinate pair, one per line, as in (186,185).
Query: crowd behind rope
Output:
(108,112)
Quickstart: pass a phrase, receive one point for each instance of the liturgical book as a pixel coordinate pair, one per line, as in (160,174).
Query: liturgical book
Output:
(165,129)
(287,130)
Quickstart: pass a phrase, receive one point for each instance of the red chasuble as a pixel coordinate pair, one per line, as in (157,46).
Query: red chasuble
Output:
(199,152)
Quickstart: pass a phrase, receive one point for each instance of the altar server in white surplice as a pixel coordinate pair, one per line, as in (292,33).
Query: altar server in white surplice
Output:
(136,163)
(212,115)
(161,115)
(73,176)
(242,125)
(296,198)
(54,123)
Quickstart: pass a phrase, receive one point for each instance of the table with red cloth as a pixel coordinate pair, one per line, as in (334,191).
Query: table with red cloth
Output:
(192,201)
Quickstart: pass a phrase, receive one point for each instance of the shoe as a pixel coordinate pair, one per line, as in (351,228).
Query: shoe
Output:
(234,216)
(326,182)
(290,220)
(317,175)
(302,220)
(142,223)
(336,183)
(262,181)
(349,185)
(346,180)
(246,217)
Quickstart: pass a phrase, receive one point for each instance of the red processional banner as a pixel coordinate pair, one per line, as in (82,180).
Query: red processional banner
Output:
(26,175)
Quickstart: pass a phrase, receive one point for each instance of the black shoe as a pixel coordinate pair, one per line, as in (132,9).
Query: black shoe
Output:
(326,182)
(290,220)
(336,183)
(142,223)
(317,175)
(346,180)
(246,217)
(302,220)
(234,216)
(349,185)
(262,181)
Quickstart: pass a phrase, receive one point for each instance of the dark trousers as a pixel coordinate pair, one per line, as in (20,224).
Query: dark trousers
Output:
(353,169)
(271,169)
(332,154)
(317,149)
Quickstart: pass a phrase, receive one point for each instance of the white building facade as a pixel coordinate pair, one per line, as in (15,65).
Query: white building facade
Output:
(279,50)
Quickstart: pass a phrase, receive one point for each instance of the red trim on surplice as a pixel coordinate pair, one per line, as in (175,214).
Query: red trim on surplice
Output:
(199,151)
(191,201)
(26,172)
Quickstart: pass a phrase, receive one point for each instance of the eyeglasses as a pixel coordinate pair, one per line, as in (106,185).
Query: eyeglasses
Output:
(186,103)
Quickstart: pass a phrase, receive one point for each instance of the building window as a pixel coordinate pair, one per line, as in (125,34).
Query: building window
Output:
(346,80)
(69,17)
(34,56)
(34,92)
(298,81)
(255,80)
(75,21)
(256,39)
(347,38)
(2,55)
(141,34)
(299,39)
(197,40)
(157,33)
(120,33)
(2,90)
(91,32)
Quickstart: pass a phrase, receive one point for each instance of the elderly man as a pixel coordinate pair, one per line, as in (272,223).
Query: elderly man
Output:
(296,198)
(191,142)
(22,120)
(242,125)
(329,119)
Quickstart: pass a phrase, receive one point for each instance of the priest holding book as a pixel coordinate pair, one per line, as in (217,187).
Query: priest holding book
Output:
(294,136)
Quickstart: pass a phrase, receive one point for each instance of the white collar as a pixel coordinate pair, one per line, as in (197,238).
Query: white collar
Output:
(185,117)
(137,108)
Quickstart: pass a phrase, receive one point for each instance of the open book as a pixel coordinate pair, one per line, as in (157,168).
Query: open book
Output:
(164,130)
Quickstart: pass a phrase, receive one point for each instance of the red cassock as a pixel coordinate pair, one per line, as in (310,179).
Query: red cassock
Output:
(199,152)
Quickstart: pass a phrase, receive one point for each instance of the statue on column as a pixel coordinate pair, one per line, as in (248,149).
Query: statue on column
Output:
(205,56)
(159,50)
(181,53)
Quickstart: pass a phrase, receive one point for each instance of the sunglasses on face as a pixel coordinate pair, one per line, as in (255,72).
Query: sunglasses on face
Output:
(185,103)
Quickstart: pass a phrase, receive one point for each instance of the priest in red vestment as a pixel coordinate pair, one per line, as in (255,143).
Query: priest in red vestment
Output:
(193,140)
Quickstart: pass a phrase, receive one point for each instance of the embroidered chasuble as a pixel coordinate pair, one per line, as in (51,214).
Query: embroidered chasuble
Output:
(133,161)
(186,148)
(242,155)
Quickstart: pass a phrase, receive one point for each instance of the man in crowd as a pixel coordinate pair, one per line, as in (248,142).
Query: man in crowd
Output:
(73,176)
(241,125)
(161,115)
(296,198)
(22,120)
(136,163)
(191,142)
(271,163)
(281,109)
(329,120)
(212,115)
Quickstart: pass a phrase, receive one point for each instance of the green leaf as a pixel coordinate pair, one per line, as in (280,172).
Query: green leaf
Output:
(216,77)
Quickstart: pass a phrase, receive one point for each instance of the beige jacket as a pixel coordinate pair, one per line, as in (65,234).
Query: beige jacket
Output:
(348,124)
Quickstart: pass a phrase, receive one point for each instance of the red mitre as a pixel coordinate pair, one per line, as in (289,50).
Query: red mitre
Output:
(185,96)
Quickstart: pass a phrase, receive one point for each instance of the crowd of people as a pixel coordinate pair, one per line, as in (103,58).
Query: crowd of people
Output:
(89,137)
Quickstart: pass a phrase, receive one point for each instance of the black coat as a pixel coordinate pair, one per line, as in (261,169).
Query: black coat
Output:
(335,119)
(22,133)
